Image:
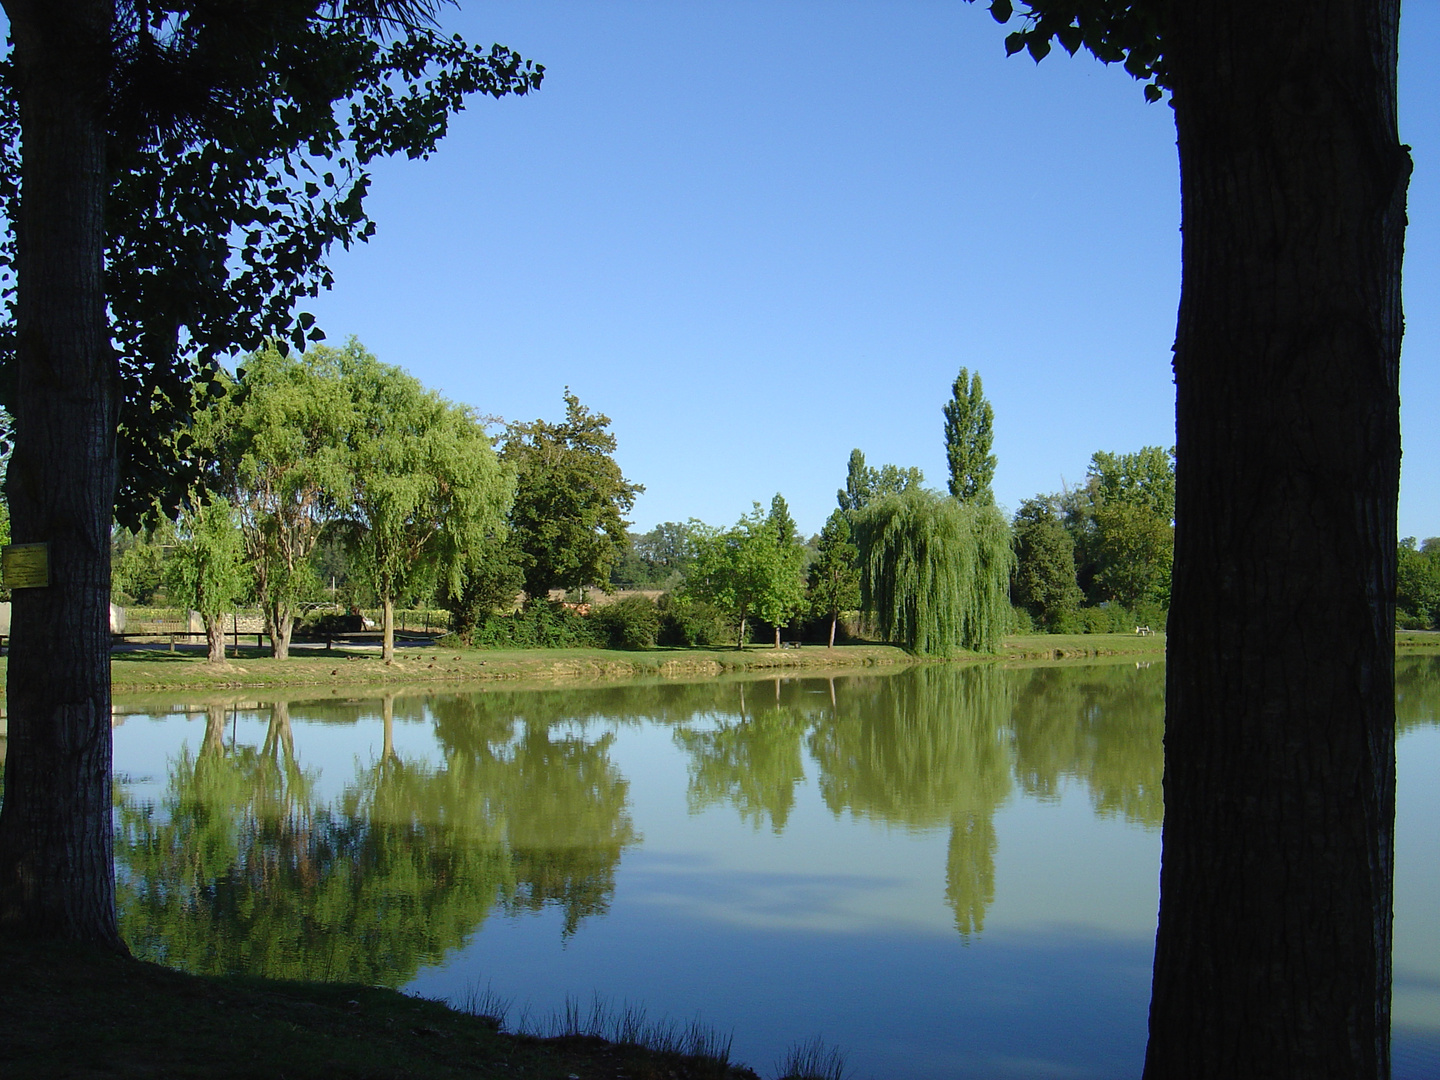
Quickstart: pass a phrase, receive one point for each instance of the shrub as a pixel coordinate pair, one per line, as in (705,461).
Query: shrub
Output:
(1405,621)
(327,624)
(688,622)
(540,624)
(631,623)
(1020,621)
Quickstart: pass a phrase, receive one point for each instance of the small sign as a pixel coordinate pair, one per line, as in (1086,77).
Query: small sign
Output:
(25,566)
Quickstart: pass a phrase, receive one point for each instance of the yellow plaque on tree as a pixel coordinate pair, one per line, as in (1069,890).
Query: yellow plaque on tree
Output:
(25,566)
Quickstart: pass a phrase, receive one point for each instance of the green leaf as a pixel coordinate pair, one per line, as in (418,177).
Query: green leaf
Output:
(1014,42)
(1001,10)
(1039,48)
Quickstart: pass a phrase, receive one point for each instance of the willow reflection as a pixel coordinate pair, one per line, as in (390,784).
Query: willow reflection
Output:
(932,747)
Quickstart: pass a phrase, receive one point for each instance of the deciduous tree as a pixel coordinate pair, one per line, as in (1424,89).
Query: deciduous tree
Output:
(180,168)
(426,486)
(1273,955)
(863,484)
(935,571)
(748,571)
(570,499)
(1044,581)
(285,468)
(1417,582)
(207,572)
(835,573)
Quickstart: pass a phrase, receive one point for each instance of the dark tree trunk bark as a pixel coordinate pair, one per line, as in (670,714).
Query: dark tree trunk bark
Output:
(56,867)
(1273,952)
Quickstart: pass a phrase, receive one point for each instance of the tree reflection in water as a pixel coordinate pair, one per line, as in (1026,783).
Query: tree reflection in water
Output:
(241,867)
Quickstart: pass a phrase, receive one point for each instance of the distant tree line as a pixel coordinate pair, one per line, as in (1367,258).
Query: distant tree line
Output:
(1417,585)
(333,481)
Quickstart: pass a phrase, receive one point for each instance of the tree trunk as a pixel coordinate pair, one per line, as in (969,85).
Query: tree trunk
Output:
(387,717)
(215,635)
(279,623)
(387,637)
(1273,952)
(834,618)
(56,865)
(741,643)
(279,744)
(213,745)
(777,637)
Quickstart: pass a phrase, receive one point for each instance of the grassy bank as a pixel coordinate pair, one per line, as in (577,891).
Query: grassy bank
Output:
(72,1013)
(142,670)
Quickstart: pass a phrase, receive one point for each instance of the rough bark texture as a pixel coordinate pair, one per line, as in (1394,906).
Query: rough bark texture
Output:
(1273,952)
(279,624)
(215,637)
(56,866)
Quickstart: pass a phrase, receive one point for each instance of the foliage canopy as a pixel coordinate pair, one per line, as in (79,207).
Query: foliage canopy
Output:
(240,145)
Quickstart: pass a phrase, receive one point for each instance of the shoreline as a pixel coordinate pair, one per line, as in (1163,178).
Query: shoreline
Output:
(161,669)
(184,669)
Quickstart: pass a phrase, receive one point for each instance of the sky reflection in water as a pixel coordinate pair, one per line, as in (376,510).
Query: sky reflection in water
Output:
(946,871)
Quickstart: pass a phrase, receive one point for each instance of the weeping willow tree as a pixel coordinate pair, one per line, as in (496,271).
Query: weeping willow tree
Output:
(935,571)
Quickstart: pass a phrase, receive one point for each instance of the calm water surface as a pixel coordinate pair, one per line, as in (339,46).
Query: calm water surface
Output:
(945,871)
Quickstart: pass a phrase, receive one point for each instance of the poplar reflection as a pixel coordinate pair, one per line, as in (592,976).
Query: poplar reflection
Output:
(926,749)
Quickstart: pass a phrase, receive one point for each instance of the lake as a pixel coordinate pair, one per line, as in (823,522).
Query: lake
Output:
(943,870)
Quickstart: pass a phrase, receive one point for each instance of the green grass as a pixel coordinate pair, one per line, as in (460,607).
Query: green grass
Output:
(1412,641)
(1081,646)
(72,1013)
(185,669)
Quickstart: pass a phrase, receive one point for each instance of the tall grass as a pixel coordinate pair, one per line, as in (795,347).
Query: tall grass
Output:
(811,1060)
(627,1025)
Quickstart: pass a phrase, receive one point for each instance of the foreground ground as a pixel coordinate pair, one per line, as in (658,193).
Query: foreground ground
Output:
(76,1014)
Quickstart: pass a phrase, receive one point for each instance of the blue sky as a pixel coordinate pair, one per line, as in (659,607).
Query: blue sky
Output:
(757,235)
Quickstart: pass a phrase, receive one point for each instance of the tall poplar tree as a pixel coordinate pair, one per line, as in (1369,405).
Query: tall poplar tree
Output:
(969,431)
